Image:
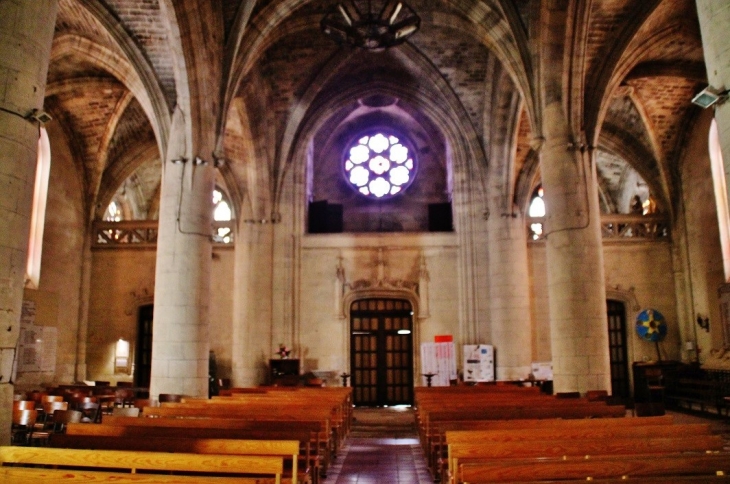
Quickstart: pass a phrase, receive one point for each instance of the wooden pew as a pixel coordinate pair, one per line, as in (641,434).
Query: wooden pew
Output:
(569,433)
(289,417)
(566,411)
(435,447)
(240,468)
(663,466)
(287,449)
(308,433)
(483,452)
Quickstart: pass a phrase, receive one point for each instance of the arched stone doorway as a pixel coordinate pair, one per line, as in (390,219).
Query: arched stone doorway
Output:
(381,351)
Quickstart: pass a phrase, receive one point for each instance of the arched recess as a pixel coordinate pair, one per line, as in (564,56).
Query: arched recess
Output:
(353,294)
(463,152)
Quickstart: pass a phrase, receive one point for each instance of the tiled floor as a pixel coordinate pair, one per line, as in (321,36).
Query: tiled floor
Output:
(382,449)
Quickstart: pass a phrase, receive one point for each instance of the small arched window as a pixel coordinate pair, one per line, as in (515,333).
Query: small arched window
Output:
(536,210)
(114,212)
(223,233)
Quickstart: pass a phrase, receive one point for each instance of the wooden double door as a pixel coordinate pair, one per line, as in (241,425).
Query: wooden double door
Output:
(381,352)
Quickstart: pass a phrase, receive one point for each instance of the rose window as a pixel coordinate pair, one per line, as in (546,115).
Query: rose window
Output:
(379,165)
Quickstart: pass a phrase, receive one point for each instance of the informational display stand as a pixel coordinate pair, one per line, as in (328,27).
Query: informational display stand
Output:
(478,363)
(542,370)
(439,360)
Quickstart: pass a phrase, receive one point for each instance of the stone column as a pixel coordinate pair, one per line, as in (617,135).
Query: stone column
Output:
(714,19)
(26,33)
(180,345)
(576,283)
(509,294)
(253,337)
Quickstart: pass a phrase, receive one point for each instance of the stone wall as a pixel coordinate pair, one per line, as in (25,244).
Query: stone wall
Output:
(59,293)
(121,282)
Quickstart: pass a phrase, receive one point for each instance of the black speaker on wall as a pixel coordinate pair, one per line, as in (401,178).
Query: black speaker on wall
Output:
(325,218)
(440,218)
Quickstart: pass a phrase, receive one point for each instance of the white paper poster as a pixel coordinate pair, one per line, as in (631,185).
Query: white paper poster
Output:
(439,360)
(478,363)
(542,370)
(36,344)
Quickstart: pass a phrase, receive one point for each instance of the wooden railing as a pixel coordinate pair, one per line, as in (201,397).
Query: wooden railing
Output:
(618,227)
(143,234)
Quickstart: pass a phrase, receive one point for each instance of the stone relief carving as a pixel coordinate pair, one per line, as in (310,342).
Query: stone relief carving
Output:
(379,281)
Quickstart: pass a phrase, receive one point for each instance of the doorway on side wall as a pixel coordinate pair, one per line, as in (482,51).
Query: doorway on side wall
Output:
(143,352)
(381,352)
(618,350)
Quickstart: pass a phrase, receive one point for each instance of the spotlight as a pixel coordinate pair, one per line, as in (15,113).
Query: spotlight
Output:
(709,96)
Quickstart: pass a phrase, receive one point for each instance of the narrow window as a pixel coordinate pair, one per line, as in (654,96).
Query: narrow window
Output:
(718,180)
(38,213)
(222,213)
(536,210)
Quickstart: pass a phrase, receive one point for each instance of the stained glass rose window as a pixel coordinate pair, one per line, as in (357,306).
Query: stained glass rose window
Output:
(379,165)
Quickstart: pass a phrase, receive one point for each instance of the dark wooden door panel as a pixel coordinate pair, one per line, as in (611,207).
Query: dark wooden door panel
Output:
(382,352)
(617,348)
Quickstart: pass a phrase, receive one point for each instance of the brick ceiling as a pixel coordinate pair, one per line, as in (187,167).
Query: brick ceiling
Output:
(635,66)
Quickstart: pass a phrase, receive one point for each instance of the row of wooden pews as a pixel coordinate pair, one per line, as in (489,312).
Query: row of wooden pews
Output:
(21,465)
(471,437)
(302,427)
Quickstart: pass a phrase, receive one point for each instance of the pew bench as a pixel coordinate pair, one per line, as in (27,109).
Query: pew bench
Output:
(549,450)
(577,433)
(80,435)
(23,461)
(287,449)
(627,468)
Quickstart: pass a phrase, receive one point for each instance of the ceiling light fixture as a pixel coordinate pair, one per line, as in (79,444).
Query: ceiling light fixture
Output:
(360,24)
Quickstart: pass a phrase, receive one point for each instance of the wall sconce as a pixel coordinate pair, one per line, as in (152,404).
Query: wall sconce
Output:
(703,323)
(121,356)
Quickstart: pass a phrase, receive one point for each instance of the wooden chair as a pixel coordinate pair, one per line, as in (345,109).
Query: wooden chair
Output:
(597,395)
(124,397)
(21,429)
(170,397)
(49,409)
(125,411)
(61,418)
(23,405)
(125,384)
(90,412)
(141,403)
(77,401)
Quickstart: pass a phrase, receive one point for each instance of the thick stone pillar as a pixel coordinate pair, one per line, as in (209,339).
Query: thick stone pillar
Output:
(26,33)
(509,291)
(180,345)
(576,284)
(714,19)
(253,343)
